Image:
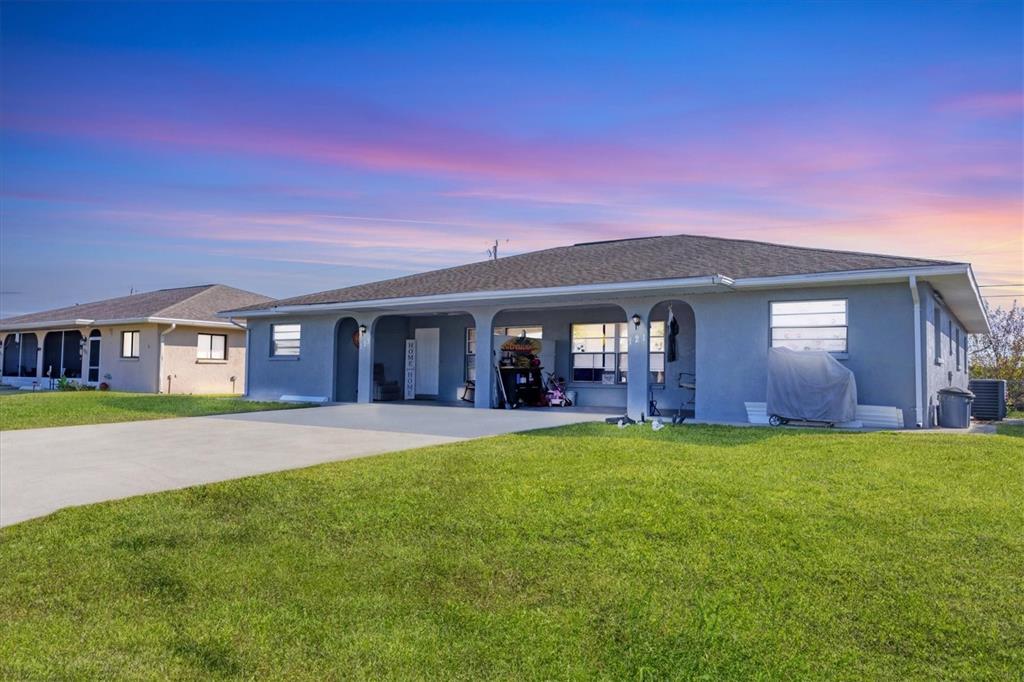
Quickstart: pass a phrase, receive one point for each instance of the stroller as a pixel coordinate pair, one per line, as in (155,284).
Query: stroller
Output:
(555,394)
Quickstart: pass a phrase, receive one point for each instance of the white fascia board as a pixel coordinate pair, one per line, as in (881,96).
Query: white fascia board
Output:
(193,323)
(124,321)
(471,297)
(55,325)
(971,313)
(849,276)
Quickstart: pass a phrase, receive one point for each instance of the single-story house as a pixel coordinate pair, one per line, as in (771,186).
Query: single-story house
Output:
(166,341)
(602,312)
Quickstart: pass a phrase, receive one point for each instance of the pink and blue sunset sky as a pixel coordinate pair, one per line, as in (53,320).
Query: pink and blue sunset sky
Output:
(287,148)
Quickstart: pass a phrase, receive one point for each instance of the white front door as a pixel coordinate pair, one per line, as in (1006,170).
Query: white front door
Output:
(428,360)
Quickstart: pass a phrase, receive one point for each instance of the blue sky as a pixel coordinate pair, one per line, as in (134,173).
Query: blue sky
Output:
(287,148)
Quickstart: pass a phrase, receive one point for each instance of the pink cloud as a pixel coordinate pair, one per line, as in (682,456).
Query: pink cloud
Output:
(989,103)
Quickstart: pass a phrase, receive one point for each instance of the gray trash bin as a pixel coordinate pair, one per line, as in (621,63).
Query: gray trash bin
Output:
(955,407)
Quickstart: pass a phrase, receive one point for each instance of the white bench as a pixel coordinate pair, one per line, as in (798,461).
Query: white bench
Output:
(868,416)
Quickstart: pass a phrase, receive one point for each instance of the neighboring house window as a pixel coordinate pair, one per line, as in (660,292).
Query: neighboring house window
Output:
(950,323)
(212,347)
(809,325)
(470,368)
(958,365)
(20,355)
(286,340)
(938,334)
(599,352)
(130,344)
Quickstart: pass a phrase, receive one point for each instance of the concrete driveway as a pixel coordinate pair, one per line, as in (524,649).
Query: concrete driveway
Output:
(43,470)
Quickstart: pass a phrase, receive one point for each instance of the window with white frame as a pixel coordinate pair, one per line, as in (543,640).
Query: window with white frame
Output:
(809,325)
(130,342)
(958,349)
(600,352)
(470,368)
(938,333)
(212,347)
(285,340)
(531,331)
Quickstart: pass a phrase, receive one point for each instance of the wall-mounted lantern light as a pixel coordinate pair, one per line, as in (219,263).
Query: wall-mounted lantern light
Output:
(636,321)
(362,329)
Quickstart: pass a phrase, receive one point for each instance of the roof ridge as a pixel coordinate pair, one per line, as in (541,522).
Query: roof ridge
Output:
(804,248)
(203,288)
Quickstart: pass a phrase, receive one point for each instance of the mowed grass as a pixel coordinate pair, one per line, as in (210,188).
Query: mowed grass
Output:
(576,553)
(25,410)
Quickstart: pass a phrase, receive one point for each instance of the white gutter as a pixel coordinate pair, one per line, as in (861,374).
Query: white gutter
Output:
(56,325)
(850,276)
(160,358)
(918,365)
(248,357)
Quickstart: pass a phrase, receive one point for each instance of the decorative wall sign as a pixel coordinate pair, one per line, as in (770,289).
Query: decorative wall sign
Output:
(410,369)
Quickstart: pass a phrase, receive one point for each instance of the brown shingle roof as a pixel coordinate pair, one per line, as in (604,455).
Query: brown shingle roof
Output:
(625,260)
(200,303)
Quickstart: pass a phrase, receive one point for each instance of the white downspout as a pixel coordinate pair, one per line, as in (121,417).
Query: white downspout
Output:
(918,410)
(248,356)
(160,360)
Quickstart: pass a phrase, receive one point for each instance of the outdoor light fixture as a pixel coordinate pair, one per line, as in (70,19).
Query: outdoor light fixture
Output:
(636,320)
(362,329)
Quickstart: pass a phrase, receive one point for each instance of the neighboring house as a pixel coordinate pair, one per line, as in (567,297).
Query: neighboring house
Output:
(900,324)
(167,341)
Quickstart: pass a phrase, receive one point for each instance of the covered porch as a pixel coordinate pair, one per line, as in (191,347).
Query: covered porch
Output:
(38,358)
(615,357)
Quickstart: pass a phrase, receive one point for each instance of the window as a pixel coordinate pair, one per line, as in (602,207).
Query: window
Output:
(531,332)
(938,333)
(20,355)
(212,347)
(950,324)
(958,349)
(285,340)
(599,352)
(130,344)
(657,350)
(470,369)
(809,325)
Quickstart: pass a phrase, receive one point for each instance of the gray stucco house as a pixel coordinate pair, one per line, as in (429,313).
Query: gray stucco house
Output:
(600,311)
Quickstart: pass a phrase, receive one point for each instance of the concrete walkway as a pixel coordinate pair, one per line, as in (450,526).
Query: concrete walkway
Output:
(43,470)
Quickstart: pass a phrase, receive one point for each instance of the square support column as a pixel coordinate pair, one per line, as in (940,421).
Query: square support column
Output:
(485,379)
(638,381)
(364,380)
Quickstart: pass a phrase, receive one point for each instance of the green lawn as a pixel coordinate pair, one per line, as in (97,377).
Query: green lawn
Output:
(582,552)
(34,410)
(1011,430)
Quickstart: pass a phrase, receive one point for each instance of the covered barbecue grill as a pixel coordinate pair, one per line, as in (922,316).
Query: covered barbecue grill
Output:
(809,386)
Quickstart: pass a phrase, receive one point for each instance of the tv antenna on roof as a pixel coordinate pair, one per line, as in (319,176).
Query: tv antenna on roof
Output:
(493,251)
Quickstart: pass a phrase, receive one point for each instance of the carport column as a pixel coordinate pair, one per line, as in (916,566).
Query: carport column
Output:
(364,381)
(638,380)
(483,320)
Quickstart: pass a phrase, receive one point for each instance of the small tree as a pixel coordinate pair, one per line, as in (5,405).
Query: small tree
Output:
(1000,354)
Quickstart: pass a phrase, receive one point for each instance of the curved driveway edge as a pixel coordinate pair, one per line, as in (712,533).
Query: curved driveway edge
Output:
(43,470)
